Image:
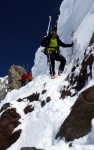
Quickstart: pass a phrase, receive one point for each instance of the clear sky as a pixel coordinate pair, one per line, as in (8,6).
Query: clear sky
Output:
(23,24)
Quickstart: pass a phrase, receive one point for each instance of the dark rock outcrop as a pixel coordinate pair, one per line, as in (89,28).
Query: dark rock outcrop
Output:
(11,81)
(20,100)
(5,106)
(14,76)
(78,81)
(92,40)
(48,99)
(78,123)
(44,91)
(33,97)
(30,148)
(8,122)
(43,103)
(28,109)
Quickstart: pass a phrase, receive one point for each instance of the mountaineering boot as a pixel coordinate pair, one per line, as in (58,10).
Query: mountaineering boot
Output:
(53,76)
(60,73)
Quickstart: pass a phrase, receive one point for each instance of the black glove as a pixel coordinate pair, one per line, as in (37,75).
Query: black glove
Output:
(72,44)
(57,51)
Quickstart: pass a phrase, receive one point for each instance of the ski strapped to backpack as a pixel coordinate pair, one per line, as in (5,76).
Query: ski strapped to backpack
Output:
(47,32)
(49,24)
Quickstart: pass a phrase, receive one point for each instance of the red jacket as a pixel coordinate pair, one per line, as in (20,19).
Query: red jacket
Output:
(23,77)
(29,76)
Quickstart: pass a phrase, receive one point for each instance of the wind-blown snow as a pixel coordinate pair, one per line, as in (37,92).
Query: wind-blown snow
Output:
(40,127)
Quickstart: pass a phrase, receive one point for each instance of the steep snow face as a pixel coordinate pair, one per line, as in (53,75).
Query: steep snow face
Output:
(72,14)
(78,17)
(75,16)
(40,64)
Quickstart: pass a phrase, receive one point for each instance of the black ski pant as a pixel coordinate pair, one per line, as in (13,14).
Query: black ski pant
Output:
(58,57)
(23,83)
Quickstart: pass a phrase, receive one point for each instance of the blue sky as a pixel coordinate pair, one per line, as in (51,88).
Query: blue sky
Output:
(23,24)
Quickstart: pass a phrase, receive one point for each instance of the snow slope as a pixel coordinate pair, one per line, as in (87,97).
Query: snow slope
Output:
(40,127)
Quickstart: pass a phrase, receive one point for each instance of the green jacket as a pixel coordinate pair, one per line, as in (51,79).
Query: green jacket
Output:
(53,44)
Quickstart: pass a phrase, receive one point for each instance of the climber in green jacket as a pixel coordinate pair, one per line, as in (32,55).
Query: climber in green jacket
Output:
(51,44)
